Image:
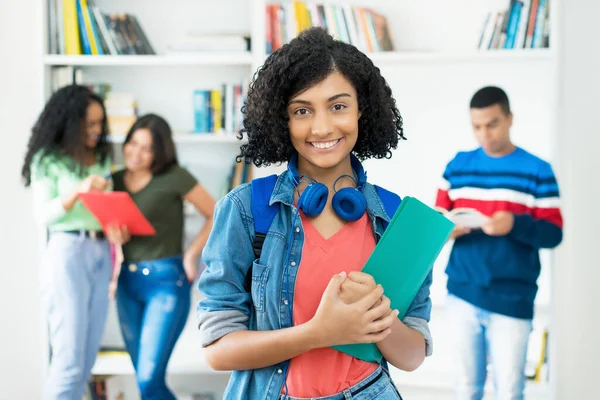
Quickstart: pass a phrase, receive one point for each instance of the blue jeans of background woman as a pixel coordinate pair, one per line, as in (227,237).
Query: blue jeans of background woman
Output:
(75,275)
(153,303)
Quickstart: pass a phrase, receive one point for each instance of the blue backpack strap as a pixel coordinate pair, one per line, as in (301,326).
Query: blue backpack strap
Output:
(391,201)
(263,215)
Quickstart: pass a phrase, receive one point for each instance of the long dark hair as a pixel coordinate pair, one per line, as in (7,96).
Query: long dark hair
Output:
(163,148)
(58,130)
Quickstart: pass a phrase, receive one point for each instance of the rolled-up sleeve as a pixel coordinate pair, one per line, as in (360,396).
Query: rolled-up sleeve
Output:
(228,255)
(419,313)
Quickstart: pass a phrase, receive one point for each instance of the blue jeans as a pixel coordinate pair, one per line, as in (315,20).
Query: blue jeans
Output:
(153,302)
(75,275)
(378,386)
(478,334)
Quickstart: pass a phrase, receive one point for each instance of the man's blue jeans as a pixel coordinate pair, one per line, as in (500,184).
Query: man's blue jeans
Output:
(153,302)
(479,335)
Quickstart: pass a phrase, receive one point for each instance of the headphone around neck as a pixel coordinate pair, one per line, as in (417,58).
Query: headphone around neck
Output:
(348,203)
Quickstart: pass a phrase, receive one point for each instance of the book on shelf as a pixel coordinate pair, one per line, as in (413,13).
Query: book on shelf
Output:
(536,368)
(525,24)
(359,26)
(121,111)
(241,172)
(106,388)
(78,27)
(219,110)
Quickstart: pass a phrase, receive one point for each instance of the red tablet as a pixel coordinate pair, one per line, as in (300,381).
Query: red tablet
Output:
(117,208)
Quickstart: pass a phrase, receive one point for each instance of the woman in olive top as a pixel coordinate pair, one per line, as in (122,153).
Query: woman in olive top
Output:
(68,154)
(153,292)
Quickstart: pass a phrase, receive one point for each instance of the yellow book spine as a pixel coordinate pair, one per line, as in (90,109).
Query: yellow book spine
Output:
(215,104)
(72,42)
(299,17)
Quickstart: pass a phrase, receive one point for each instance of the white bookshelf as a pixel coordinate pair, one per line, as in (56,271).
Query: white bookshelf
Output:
(208,59)
(473,56)
(190,138)
(433,73)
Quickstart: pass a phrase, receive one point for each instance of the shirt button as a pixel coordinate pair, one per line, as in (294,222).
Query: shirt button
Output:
(285,302)
(279,371)
(293,263)
(297,229)
(145,271)
(132,267)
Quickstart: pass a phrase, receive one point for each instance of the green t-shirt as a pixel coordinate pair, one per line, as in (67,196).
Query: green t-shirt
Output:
(52,178)
(161,202)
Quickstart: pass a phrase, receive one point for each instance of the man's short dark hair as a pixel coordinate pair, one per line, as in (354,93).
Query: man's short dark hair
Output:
(489,96)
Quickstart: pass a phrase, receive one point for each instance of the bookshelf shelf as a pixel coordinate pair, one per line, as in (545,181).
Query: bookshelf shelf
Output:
(120,364)
(225,138)
(245,58)
(212,58)
(394,57)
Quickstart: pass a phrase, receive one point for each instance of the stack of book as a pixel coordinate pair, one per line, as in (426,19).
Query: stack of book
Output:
(78,27)
(523,25)
(359,26)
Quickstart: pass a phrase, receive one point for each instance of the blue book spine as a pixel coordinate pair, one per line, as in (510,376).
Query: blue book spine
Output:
(538,29)
(201,111)
(85,41)
(513,25)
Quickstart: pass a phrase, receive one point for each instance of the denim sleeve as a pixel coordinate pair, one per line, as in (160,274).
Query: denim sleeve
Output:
(419,313)
(227,255)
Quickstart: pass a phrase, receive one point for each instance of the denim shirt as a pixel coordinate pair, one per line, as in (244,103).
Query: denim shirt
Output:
(228,307)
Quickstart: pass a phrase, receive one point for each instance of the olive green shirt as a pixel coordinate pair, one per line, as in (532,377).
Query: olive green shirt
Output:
(161,202)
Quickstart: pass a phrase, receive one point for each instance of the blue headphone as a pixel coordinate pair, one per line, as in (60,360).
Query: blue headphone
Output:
(348,203)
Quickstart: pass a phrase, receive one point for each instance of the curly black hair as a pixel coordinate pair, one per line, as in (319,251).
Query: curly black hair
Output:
(302,63)
(57,132)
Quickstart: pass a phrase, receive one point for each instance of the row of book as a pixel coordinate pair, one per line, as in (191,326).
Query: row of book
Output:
(79,27)
(525,24)
(219,110)
(359,26)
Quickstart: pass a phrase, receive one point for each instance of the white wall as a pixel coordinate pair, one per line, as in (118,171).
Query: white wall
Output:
(20,83)
(577,297)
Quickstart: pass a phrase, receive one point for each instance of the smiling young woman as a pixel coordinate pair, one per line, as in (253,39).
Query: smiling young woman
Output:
(321,106)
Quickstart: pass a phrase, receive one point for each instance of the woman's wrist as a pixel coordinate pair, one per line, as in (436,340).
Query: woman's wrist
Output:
(69,200)
(314,337)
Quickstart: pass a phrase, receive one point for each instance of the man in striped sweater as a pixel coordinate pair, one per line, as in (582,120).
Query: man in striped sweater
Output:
(492,271)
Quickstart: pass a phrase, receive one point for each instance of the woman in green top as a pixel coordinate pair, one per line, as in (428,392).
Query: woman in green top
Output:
(68,154)
(153,291)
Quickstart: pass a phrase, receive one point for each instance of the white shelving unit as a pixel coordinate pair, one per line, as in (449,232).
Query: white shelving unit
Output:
(218,58)
(433,73)
(190,138)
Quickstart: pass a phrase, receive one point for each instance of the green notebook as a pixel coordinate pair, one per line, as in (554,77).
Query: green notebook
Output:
(402,259)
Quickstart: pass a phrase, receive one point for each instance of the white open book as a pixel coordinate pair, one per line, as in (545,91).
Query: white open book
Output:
(467,217)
